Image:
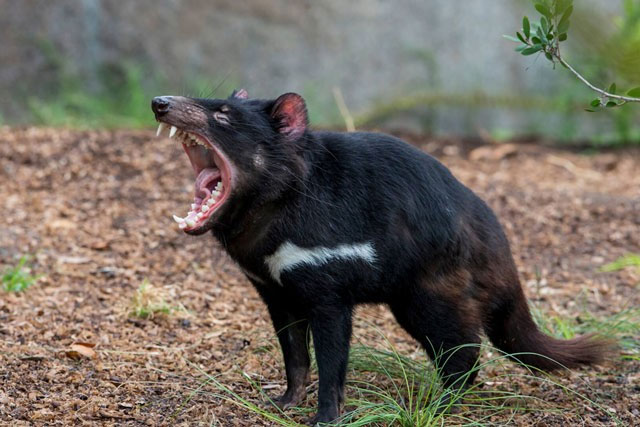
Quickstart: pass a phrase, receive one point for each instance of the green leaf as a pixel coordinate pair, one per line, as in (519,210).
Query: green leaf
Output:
(531,50)
(544,24)
(513,39)
(548,55)
(611,104)
(536,40)
(595,102)
(541,35)
(567,13)
(612,88)
(544,10)
(563,25)
(521,48)
(526,27)
(588,110)
(635,92)
(521,38)
(562,37)
(561,6)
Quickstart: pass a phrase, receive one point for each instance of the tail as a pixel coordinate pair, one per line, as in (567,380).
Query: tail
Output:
(511,328)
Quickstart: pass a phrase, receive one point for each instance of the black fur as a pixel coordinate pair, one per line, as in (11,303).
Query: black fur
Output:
(443,264)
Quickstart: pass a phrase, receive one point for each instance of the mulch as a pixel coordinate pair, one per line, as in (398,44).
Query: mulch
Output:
(93,209)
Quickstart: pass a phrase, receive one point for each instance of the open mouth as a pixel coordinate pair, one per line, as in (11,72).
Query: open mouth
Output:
(213,177)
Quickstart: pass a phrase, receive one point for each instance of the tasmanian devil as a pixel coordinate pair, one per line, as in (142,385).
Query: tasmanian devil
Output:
(322,221)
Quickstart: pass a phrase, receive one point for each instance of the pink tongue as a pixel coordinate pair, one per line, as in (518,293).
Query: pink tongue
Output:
(206,176)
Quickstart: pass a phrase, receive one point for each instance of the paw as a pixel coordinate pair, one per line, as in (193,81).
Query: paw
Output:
(322,419)
(291,398)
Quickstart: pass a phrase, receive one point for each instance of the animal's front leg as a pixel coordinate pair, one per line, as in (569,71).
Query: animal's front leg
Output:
(331,328)
(293,335)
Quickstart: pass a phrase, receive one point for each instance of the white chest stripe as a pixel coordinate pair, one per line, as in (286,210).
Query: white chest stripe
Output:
(289,256)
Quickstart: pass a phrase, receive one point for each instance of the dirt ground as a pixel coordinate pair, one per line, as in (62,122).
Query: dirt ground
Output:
(94,211)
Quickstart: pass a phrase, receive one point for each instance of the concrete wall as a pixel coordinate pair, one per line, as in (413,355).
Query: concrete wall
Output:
(373,50)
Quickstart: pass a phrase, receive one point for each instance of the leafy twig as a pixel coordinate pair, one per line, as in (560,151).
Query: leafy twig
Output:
(545,37)
(602,92)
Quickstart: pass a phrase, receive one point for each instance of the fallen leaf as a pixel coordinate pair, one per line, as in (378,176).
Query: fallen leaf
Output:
(73,260)
(61,223)
(81,349)
(99,245)
(493,152)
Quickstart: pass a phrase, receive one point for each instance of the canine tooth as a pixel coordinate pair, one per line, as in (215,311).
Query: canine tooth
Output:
(190,222)
(204,208)
(182,225)
(160,129)
(172,131)
(177,219)
(219,185)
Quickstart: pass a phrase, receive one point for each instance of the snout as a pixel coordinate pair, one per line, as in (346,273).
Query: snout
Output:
(161,105)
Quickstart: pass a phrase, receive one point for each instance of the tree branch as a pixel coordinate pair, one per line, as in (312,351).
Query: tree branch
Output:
(603,93)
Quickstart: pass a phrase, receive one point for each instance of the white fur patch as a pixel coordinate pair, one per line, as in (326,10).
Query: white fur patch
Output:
(289,256)
(258,161)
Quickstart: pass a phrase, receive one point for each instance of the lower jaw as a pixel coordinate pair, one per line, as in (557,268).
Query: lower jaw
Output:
(199,218)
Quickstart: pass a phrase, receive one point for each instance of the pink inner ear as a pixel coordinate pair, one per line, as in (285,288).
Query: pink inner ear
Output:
(291,111)
(240,94)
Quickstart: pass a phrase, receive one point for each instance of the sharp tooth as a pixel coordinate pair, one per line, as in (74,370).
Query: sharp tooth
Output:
(193,206)
(190,222)
(177,219)
(199,216)
(182,225)
(211,201)
(219,185)
(172,131)
(215,194)
(160,129)
(204,208)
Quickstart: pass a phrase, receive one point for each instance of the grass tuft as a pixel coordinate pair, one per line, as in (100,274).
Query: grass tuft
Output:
(19,277)
(386,388)
(149,301)
(630,260)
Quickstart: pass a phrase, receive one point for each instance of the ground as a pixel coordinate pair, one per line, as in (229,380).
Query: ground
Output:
(93,210)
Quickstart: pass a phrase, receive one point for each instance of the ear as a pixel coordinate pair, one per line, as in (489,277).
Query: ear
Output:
(290,113)
(240,94)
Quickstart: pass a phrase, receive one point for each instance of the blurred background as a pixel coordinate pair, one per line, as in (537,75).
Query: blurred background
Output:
(437,66)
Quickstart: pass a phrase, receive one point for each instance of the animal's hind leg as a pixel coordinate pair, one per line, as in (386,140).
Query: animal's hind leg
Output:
(441,315)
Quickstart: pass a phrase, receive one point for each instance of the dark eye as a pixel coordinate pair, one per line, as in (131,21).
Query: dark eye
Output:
(221,117)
